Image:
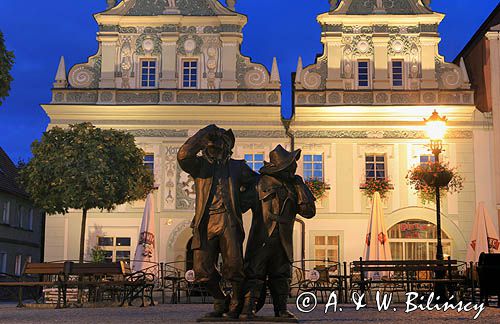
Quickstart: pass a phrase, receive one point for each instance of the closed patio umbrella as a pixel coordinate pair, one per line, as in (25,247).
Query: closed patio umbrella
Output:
(484,236)
(145,253)
(376,243)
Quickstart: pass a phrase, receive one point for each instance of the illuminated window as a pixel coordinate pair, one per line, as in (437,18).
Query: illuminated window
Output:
(190,74)
(426,159)
(313,167)
(397,73)
(326,250)
(375,166)
(416,240)
(149,162)
(255,161)
(148,73)
(363,74)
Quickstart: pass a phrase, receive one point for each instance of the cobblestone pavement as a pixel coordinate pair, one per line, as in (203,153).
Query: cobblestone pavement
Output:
(189,313)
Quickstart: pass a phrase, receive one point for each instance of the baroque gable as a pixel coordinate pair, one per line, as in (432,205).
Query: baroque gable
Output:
(169,52)
(381,52)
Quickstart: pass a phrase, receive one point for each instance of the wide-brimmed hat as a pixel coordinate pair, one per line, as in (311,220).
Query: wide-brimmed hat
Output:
(280,159)
(227,137)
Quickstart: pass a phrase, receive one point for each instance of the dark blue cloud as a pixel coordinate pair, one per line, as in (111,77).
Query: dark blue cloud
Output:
(41,31)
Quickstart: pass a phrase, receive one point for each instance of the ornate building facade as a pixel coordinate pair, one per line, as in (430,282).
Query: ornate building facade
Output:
(164,69)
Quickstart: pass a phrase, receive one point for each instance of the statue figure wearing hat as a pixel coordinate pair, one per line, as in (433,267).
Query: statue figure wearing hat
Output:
(217,224)
(280,195)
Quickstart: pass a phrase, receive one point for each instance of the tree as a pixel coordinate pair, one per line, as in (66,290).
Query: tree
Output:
(6,63)
(84,167)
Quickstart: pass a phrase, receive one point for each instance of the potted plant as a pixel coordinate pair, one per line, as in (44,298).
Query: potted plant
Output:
(424,178)
(370,186)
(318,187)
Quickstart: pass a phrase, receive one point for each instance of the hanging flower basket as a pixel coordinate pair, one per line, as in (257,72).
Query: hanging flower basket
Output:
(382,186)
(425,178)
(318,187)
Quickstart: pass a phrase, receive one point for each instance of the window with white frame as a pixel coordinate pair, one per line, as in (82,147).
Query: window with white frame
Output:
(313,166)
(29,222)
(426,159)
(190,74)
(416,240)
(149,162)
(6,212)
(326,250)
(397,73)
(20,216)
(115,248)
(375,166)
(255,161)
(18,265)
(148,73)
(363,74)
(3,262)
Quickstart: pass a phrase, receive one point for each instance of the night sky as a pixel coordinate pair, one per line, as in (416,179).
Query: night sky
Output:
(40,31)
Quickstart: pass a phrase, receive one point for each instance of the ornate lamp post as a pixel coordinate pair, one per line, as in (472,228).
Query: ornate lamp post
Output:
(436,129)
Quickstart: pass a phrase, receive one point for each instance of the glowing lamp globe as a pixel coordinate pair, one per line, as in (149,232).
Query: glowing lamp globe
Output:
(436,126)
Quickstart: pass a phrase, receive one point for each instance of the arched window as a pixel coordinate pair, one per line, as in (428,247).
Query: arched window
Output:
(416,240)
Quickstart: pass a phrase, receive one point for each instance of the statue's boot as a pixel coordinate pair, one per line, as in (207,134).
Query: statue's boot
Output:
(281,289)
(221,301)
(252,294)
(236,301)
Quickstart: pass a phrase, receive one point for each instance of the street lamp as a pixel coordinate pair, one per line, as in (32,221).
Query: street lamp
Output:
(436,129)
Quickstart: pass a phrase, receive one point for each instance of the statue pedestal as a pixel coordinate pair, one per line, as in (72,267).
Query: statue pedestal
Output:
(257,319)
(171,11)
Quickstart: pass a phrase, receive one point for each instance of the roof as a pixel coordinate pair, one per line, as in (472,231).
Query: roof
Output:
(389,7)
(8,175)
(161,7)
(492,20)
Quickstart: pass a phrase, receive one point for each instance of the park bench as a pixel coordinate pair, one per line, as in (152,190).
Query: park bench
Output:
(408,276)
(113,280)
(100,279)
(37,275)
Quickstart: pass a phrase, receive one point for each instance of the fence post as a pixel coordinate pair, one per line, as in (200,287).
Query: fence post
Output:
(362,276)
(473,282)
(345,282)
(162,283)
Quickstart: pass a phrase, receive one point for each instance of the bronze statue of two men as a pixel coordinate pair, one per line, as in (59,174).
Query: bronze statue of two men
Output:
(226,188)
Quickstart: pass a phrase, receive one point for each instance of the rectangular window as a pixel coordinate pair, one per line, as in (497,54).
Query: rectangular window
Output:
(363,74)
(6,212)
(108,256)
(115,248)
(397,73)
(313,167)
(149,162)
(255,161)
(20,216)
(148,73)
(375,167)
(425,159)
(122,256)
(326,250)
(190,74)
(17,269)
(123,241)
(29,223)
(105,241)
(3,262)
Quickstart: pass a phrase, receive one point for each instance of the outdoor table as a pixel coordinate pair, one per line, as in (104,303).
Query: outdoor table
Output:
(176,288)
